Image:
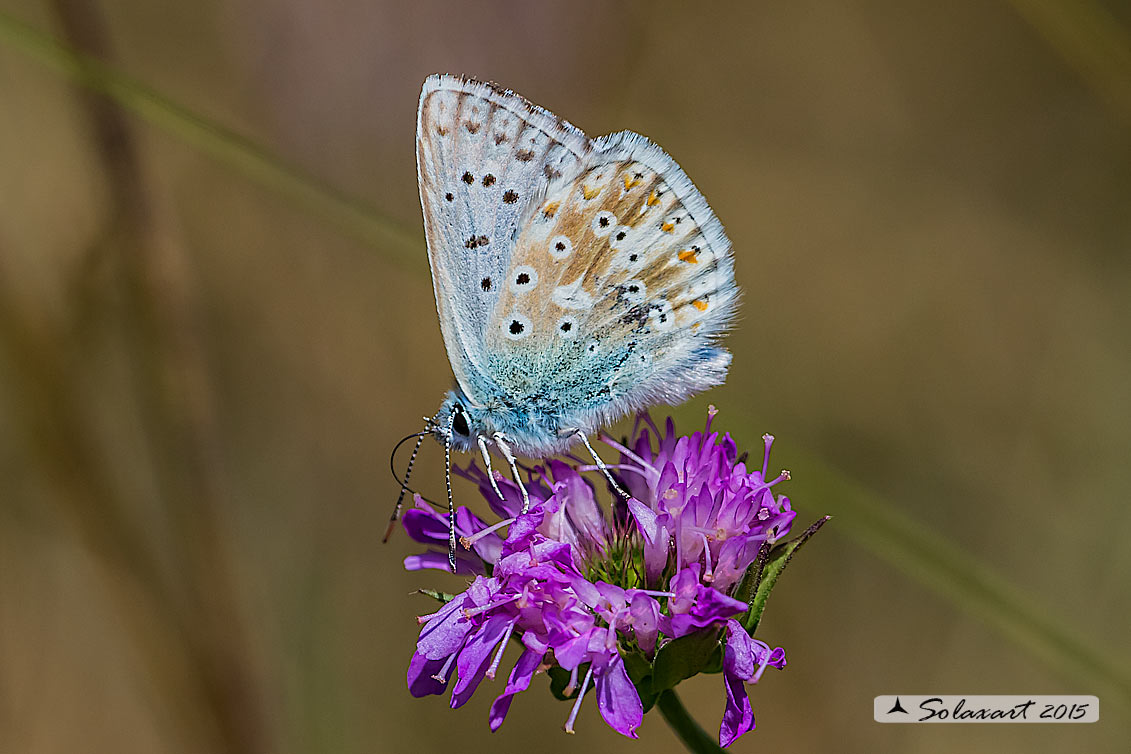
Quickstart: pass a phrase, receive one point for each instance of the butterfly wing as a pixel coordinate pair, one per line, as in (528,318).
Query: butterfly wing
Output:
(482,154)
(620,284)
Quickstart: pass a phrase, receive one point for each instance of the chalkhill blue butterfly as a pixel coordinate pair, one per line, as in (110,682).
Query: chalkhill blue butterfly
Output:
(577,280)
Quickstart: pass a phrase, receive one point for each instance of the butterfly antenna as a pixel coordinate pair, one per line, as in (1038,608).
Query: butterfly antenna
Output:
(403,482)
(451,502)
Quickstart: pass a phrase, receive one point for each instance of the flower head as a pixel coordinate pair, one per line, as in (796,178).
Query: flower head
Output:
(595,598)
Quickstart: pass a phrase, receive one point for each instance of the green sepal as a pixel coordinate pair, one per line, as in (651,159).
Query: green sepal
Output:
(682,658)
(763,574)
(441,597)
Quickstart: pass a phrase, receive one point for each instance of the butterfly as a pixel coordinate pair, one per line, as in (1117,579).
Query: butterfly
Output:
(577,280)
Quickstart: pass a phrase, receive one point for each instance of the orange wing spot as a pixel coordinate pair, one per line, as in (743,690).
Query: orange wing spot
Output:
(696,325)
(550,209)
(667,227)
(689,255)
(589,193)
(630,181)
(700,304)
(653,199)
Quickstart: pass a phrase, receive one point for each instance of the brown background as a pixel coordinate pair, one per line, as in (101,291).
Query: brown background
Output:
(202,373)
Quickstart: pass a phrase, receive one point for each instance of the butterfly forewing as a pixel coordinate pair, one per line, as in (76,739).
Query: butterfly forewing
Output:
(576,280)
(483,155)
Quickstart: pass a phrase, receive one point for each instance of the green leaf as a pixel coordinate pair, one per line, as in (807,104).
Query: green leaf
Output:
(639,670)
(559,681)
(715,661)
(442,597)
(763,575)
(682,658)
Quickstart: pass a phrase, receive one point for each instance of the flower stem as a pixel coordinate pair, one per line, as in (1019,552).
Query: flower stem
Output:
(694,737)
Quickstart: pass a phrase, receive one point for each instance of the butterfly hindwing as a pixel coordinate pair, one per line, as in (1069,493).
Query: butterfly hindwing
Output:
(483,154)
(620,282)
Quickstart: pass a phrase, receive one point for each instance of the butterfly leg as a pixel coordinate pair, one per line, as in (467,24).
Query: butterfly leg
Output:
(601,465)
(507,454)
(487,462)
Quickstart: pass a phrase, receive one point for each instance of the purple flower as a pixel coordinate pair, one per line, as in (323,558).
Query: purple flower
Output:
(582,592)
(744,659)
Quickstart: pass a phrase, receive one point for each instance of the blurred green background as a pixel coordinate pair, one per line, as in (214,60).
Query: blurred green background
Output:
(216,319)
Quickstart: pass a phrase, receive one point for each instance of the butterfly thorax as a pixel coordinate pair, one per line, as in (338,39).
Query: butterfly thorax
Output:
(529,429)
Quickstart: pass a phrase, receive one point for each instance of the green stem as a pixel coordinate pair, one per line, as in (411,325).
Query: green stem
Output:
(694,737)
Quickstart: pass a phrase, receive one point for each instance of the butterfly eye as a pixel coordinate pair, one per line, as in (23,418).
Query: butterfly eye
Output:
(459,424)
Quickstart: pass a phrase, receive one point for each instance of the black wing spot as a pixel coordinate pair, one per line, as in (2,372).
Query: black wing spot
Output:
(510,197)
(488,180)
(603,222)
(449,196)
(522,279)
(632,257)
(483,240)
(567,326)
(516,327)
(468,178)
(559,246)
(485,284)
(620,236)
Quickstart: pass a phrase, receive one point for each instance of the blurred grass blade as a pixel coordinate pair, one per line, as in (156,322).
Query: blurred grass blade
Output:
(1090,40)
(938,564)
(404,246)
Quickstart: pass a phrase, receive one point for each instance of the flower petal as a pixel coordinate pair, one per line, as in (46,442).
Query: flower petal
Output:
(420,676)
(738,717)
(476,656)
(519,680)
(739,660)
(444,633)
(645,612)
(618,700)
(439,561)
